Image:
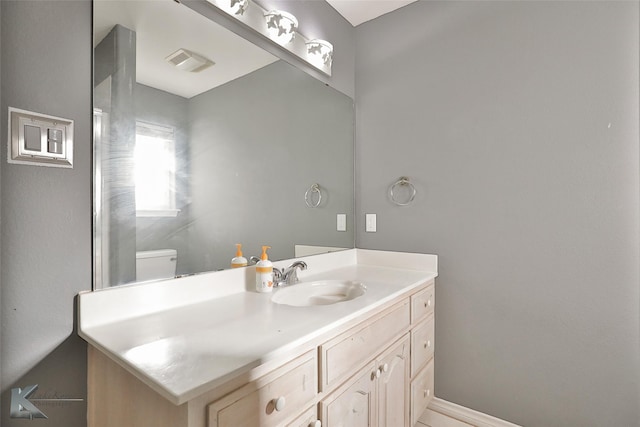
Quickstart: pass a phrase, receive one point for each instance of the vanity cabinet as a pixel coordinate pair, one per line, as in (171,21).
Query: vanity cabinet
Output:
(374,371)
(376,396)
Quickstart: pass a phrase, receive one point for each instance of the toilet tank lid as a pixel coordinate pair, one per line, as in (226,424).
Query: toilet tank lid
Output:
(156,253)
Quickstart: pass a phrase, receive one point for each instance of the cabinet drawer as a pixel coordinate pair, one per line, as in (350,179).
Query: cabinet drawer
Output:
(291,388)
(422,344)
(421,392)
(345,353)
(422,303)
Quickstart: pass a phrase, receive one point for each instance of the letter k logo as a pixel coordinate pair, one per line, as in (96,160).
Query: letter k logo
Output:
(21,407)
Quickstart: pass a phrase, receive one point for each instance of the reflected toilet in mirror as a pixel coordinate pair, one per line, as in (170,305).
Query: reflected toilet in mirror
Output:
(154,265)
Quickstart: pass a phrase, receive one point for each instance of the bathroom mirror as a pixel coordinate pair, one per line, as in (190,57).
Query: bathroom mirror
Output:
(203,140)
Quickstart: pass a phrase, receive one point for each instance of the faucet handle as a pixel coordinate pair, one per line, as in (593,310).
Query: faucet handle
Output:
(298,264)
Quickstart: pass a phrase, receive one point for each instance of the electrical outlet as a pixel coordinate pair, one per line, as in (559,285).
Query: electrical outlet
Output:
(370,223)
(341,221)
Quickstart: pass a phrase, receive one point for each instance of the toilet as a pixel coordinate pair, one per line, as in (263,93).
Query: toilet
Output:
(157,264)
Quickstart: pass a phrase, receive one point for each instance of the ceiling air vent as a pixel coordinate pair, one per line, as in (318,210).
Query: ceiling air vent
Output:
(188,61)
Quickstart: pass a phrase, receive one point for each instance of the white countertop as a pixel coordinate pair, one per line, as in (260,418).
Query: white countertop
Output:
(185,348)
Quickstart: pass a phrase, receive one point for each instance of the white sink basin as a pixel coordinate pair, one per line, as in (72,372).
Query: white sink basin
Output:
(323,292)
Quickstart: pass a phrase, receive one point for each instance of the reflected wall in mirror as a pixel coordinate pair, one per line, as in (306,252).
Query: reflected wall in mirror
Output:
(203,140)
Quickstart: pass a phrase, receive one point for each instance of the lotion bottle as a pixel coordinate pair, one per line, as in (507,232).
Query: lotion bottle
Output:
(264,272)
(239,260)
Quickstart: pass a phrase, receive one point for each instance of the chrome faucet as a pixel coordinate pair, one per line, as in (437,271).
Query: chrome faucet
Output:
(289,275)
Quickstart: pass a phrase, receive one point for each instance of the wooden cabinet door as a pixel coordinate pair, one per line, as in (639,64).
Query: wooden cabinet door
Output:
(352,406)
(393,386)
(308,419)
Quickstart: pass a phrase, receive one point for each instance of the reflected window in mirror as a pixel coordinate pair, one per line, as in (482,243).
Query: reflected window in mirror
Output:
(155,169)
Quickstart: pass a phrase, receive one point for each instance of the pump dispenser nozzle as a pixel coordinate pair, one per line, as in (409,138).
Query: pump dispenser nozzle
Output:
(264,252)
(238,260)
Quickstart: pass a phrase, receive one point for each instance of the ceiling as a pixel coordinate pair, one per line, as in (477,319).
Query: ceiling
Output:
(359,11)
(161,28)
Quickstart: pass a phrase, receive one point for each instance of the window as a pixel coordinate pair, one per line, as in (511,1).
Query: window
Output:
(155,168)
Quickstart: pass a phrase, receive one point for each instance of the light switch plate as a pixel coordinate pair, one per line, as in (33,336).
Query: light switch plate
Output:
(39,139)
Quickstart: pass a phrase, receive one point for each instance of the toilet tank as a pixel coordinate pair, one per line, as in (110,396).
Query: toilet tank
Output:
(157,264)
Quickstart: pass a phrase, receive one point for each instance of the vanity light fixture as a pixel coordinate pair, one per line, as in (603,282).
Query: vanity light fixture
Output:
(238,7)
(320,52)
(281,26)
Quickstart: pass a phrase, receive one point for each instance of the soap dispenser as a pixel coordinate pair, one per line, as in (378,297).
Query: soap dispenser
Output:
(239,260)
(264,272)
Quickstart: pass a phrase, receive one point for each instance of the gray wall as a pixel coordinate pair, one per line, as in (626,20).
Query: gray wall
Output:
(46,212)
(518,123)
(257,144)
(250,173)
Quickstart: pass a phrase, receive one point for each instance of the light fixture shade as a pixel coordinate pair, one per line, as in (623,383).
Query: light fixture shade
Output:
(281,26)
(320,52)
(238,7)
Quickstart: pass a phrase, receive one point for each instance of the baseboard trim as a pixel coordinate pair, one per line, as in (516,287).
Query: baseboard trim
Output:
(466,415)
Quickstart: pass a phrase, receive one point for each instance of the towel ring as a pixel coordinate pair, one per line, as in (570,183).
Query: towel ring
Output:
(402,182)
(308,196)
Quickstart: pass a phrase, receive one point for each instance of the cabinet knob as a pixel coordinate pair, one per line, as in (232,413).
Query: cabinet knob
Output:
(315,423)
(279,403)
(376,374)
(385,367)
(427,392)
